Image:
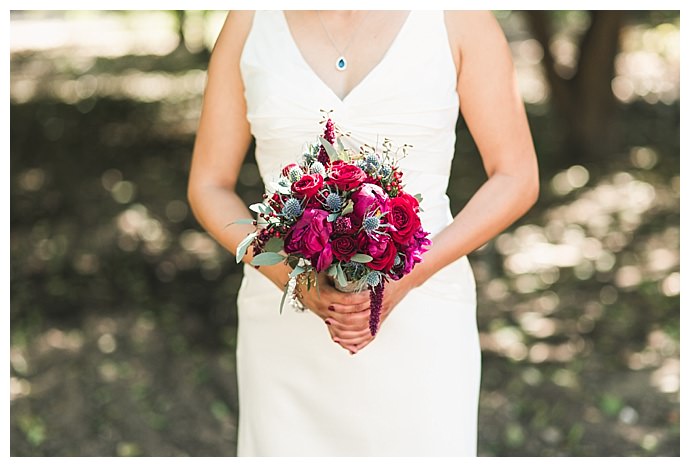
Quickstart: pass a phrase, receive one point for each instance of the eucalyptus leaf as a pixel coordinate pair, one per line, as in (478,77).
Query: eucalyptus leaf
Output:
(274,245)
(258,208)
(362,258)
(282,300)
(243,245)
(339,143)
(342,280)
(283,190)
(419,198)
(333,216)
(297,271)
(349,207)
(267,259)
(242,221)
(330,150)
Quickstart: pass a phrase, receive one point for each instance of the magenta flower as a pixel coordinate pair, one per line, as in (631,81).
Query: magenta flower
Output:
(367,200)
(309,237)
(411,253)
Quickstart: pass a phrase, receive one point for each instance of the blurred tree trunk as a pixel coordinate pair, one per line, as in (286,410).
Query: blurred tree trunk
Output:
(585,100)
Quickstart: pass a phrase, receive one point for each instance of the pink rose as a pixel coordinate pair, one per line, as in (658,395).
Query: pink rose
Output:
(367,200)
(308,185)
(404,217)
(412,253)
(309,237)
(345,176)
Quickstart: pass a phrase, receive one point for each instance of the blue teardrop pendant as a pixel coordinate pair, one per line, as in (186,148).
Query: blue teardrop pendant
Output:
(341,64)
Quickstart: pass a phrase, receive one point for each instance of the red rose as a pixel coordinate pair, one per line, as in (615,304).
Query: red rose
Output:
(308,185)
(404,218)
(313,202)
(286,170)
(345,176)
(344,247)
(382,249)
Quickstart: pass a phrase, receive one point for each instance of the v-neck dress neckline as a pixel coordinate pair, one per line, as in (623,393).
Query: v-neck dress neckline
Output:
(369,76)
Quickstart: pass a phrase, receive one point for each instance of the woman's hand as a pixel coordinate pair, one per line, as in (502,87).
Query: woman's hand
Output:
(351,330)
(345,314)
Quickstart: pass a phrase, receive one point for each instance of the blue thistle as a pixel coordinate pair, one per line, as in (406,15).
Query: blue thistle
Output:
(371,223)
(372,160)
(334,202)
(308,157)
(352,269)
(295,174)
(373,278)
(361,163)
(317,168)
(386,171)
(292,208)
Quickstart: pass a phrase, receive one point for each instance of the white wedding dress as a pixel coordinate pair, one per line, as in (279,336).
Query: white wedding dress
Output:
(414,390)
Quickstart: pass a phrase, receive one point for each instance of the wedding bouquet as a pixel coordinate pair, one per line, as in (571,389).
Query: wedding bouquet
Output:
(341,212)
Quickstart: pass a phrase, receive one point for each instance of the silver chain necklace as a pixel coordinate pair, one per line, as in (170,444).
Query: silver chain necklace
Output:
(341,62)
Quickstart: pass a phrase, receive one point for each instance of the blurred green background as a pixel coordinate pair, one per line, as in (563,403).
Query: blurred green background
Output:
(123,317)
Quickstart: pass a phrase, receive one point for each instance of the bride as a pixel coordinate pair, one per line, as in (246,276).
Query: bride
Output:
(317,383)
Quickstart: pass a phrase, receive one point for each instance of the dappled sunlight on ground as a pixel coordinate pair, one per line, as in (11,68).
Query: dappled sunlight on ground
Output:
(123,308)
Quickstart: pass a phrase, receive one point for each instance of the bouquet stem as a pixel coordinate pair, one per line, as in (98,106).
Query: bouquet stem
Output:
(349,287)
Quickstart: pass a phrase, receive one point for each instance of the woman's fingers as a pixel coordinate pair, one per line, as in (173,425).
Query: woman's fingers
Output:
(366,342)
(352,341)
(356,344)
(341,302)
(348,299)
(353,336)
(349,308)
(349,321)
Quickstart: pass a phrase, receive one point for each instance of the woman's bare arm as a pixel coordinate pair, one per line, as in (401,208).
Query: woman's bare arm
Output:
(494,112)
(495,115)
(222,140)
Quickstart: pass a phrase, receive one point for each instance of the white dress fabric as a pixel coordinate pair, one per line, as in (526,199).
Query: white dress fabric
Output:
(414,390)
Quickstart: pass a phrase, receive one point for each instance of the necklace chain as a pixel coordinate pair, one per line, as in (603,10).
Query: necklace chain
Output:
(341,63)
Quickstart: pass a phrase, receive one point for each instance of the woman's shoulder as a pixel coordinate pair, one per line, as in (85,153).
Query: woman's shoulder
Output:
(466,25)
(235,29)
(240,17)
(228,47)
(467,20)
(469,29)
